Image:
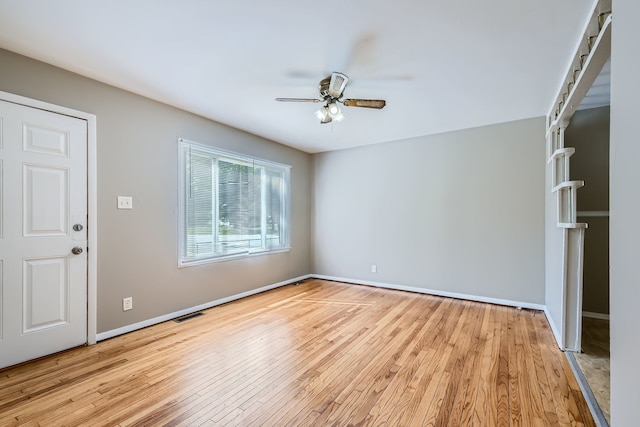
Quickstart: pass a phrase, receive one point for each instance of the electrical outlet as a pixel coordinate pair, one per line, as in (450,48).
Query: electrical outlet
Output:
(127,303)
(374,268)
(125,202)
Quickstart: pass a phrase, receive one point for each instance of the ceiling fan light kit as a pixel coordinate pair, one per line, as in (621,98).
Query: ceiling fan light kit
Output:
(331,91)
(330,112)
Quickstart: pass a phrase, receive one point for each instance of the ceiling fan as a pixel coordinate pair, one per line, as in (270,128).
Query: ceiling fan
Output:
(331,92)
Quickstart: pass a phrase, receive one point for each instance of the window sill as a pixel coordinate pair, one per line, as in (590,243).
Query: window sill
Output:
(243,255)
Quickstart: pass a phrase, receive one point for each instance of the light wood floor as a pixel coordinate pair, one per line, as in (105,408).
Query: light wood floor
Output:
(320,353)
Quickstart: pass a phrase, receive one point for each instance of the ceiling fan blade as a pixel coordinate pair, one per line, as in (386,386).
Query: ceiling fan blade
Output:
(367,103)
(298,100)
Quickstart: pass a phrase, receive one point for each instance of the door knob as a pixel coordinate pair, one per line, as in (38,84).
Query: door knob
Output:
(77,227)
(77,250)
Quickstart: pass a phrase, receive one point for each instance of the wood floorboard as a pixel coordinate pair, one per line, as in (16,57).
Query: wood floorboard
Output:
(315,354)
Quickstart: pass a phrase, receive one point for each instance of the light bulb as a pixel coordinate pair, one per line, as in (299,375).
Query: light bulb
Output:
(323,115)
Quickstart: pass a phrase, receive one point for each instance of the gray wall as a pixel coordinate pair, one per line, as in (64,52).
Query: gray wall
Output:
(588,132)
(137,156)
(457,212)
(625,206)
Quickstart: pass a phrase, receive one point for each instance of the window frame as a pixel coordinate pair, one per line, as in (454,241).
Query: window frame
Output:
(217,154)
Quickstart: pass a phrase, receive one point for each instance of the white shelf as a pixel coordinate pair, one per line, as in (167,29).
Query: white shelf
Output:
(568,185)
(562,152)
(593,214)
(572,225)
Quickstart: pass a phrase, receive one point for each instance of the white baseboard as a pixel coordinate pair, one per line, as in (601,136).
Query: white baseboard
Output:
(593,315)
(554,329)
(145,323)
(435,292)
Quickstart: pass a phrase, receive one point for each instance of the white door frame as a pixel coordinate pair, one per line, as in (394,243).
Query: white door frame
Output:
(92,201)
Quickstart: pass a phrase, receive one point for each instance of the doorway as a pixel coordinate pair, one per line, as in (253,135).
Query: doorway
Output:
(47,186)
(588,132)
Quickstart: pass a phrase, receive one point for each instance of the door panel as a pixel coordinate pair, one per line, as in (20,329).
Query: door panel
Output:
(47,141)
(43,189)
(46,202)
(45,293)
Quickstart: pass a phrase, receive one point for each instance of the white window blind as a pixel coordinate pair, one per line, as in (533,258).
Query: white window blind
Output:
(230,204)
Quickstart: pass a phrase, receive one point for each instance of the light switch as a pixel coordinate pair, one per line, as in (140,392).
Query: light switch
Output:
(125,202)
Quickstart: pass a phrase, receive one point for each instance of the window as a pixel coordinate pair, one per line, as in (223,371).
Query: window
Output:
(230,204)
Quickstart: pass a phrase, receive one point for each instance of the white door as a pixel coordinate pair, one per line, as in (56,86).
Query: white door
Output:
(43,238)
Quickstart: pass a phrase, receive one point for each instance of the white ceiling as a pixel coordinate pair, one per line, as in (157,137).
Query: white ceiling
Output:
(441,66)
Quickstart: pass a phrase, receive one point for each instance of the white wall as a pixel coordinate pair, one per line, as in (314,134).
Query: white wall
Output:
(458,212)
(625,211)
(554,254)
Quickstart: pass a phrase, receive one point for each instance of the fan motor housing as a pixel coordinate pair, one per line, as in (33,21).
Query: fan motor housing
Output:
(323,87)
(333,86)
